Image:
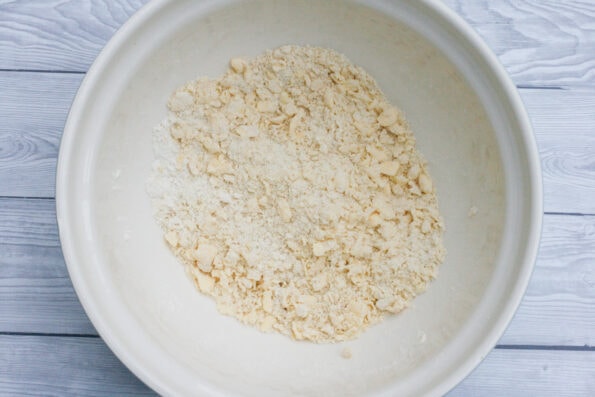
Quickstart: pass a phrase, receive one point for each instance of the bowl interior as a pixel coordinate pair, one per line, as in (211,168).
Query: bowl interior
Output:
(138,295)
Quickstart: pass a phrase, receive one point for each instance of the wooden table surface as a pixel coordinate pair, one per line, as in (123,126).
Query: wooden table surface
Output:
(49,347)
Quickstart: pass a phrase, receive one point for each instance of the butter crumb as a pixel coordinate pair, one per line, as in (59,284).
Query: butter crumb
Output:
(346,353)
(472,211)
(293,193)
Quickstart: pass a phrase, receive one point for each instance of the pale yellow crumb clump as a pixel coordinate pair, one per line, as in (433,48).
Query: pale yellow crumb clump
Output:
(293,192)
(346,353)
(473,211)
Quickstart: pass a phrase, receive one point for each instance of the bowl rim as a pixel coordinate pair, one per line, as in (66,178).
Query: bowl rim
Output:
(477,45)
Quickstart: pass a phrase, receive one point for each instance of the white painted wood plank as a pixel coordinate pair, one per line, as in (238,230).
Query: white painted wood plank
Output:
(58,34)
(33,110)
(36,294)
(539,42)
(522,373)
(56,366)
(559,305)
(564,123)
(33,365)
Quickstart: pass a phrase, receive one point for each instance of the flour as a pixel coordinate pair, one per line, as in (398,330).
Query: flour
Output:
(293,193)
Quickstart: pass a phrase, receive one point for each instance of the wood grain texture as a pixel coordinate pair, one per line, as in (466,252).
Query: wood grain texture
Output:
(522,373)
(33,110)
(564,124)
(559,305)
(539,42)
(57,366)
(36,294)
(58,34)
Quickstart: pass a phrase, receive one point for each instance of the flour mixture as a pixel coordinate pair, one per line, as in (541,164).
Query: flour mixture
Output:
(293,193)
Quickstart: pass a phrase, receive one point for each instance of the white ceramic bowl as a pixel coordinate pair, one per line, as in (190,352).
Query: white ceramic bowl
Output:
(469,123)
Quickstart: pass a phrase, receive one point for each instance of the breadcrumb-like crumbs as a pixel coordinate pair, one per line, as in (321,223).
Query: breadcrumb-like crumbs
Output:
(293,192)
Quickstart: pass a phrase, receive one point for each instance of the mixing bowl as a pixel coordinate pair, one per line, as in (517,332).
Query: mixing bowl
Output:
(470,126)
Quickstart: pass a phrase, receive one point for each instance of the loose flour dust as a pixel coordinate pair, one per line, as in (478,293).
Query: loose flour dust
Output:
(293,192)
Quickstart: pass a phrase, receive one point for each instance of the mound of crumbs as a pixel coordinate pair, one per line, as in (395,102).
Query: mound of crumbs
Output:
(292,191)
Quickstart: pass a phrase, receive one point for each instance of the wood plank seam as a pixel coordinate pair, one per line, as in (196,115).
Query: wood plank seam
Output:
(43,71)
(568,213)
(540,87)
(585,348)
(49,334)
(498,346)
